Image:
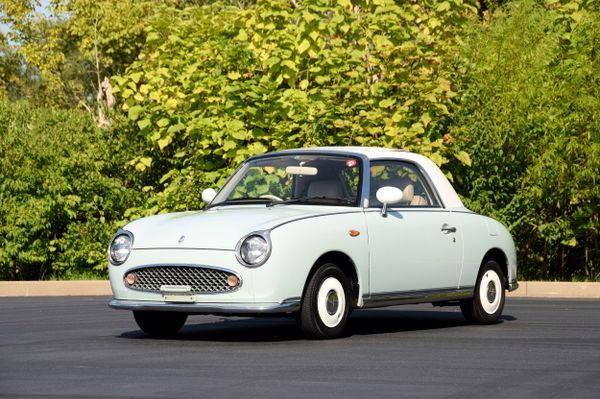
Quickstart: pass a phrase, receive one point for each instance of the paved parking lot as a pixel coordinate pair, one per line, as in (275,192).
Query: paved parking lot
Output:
(73,347)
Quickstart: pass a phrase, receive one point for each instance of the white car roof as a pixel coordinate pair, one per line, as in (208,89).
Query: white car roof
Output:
(437,177)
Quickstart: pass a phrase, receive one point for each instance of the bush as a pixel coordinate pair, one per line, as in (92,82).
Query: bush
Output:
(530,118)
(61,194)
(216,84)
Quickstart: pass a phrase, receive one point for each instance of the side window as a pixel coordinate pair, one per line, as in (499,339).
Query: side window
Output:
(404,176)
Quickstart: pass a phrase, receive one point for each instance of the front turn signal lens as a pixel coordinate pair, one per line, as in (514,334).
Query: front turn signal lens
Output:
(130,279)
(233,281)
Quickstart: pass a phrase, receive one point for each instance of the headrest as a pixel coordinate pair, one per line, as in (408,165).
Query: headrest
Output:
(325,188)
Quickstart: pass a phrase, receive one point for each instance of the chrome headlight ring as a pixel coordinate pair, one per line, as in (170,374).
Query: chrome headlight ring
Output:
(254,249)
(120,247)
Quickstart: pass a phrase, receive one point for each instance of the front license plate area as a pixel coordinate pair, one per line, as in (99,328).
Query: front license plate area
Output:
(177,293)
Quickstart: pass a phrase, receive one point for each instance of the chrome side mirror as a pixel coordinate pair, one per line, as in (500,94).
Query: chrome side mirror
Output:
(388,195)
(208,195)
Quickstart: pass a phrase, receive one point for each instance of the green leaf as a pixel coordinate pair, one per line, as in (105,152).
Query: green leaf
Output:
(136,76)
(146,161)
(443,6)
(239,134)
(388,102)
(242,36)
(164,142)
(152,37)
(134,112)
(144,123)
(304,45)
(288,63)
(463,157)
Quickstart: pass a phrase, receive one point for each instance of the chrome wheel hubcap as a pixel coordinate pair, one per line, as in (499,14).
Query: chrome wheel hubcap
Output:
(491,294)
(332,302)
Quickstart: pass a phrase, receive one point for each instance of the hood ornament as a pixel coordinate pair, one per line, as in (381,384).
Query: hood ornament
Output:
(181,240)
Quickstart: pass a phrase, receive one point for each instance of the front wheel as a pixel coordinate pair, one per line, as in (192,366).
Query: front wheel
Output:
(159,324)
(326,304)
(487,304)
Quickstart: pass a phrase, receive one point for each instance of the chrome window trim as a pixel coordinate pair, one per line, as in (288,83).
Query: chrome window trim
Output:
(428,184)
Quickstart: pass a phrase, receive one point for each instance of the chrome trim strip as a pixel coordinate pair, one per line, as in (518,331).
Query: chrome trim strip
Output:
(428,183)
(287,306)
(315,216)
(513,285)
(408,297)
(181,248)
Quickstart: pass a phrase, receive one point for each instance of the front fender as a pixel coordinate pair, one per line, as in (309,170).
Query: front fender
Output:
(297,245)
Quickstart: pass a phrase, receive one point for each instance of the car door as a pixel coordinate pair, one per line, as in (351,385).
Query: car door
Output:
(417,245)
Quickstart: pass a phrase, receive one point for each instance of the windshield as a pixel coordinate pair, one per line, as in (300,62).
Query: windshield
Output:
(302,179)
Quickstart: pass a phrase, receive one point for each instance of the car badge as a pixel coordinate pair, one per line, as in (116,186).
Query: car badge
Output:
(181,240)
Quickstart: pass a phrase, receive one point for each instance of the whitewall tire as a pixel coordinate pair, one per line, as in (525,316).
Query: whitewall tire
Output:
(488,302)
(326,303)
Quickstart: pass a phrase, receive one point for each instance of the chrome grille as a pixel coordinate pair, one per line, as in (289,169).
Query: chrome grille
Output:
(201,279)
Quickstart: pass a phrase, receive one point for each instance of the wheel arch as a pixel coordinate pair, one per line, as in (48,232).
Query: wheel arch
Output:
(345,263)
(499,256)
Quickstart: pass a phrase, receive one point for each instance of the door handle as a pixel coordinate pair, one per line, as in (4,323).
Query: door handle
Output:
(447,229)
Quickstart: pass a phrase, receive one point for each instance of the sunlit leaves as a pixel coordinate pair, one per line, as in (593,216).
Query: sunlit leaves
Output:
(530,120)
(270,77)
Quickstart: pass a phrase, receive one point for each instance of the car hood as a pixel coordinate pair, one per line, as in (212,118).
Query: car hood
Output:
(218,228)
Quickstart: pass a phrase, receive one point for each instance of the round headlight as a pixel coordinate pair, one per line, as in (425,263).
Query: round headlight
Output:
(254,250)
(119,249)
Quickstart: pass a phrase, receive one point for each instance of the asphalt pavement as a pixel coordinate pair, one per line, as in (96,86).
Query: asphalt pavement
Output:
(76,347)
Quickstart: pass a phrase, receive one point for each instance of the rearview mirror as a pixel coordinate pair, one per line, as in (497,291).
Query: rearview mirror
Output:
(388,195)
(208,195)
(301,170)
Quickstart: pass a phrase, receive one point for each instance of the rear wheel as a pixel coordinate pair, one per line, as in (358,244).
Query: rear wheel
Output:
(326,303)
(487,304)
(159,324)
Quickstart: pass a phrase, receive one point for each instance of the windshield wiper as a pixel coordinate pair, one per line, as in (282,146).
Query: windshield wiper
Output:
(317,200)
(245,200)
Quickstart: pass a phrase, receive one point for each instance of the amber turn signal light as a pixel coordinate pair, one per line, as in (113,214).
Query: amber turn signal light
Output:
(130,279)
(233,281)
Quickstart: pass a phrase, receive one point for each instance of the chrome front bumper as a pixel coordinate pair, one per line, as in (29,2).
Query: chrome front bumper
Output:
(287,306)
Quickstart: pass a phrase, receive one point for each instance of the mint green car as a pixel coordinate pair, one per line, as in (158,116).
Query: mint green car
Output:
(315,233)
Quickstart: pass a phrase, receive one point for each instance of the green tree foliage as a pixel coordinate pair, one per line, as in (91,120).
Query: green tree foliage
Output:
(9,68)
(504,94)
(74,44)
(61,197)
(530,118)
(216,84)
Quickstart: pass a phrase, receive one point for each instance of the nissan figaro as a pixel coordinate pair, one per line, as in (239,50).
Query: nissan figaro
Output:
(315,233)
